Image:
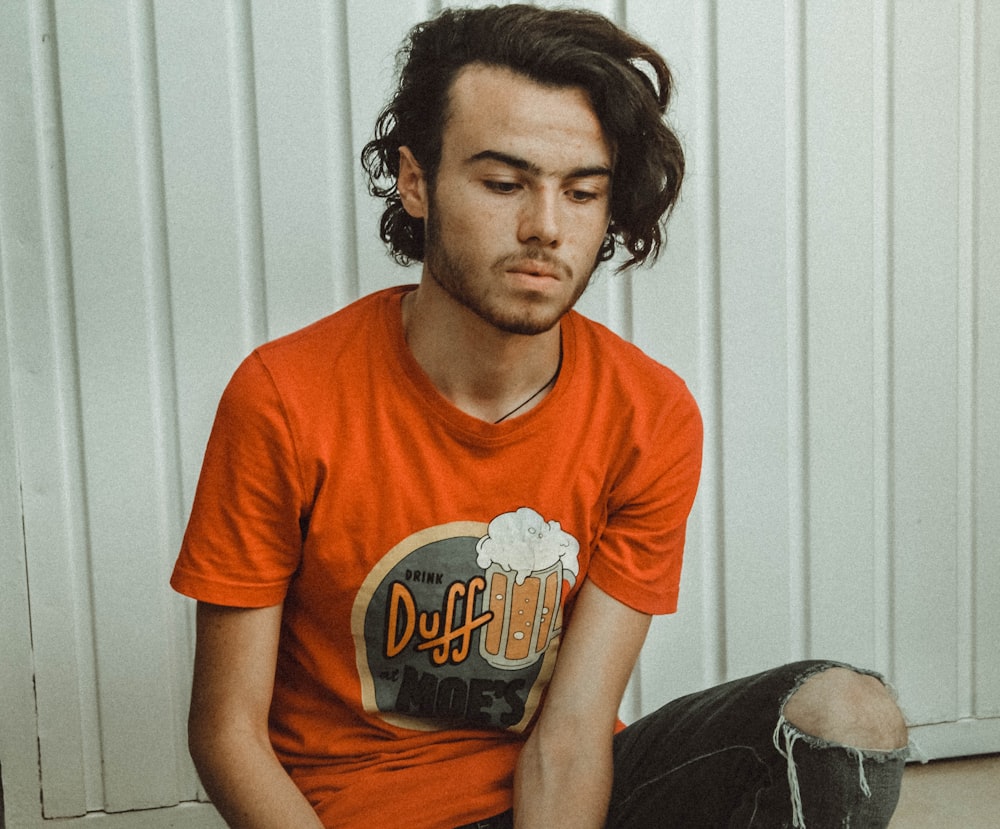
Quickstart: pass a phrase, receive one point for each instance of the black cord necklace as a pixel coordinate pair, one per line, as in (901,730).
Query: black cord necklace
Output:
(548,383)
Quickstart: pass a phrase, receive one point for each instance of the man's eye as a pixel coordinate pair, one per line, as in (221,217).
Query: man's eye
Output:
(582,195)
(501,186)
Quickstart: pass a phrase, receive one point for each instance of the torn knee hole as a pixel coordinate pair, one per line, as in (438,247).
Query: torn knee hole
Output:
(849,708)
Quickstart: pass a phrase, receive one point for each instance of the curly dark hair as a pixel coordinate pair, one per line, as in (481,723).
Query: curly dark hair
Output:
(628,82)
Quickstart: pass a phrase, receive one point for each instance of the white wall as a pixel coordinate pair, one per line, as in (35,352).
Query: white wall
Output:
(178,182)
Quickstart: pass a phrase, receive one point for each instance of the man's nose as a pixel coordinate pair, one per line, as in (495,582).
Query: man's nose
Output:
(540,220)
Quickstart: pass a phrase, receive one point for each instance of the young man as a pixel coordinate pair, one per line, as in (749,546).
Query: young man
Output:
(411,508)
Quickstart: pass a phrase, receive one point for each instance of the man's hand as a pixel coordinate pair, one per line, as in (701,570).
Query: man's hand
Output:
(565,771)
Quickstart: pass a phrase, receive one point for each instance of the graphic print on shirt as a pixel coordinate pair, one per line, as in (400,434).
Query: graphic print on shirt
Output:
(459,624)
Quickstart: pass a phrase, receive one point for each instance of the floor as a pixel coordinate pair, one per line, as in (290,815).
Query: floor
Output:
(950,794)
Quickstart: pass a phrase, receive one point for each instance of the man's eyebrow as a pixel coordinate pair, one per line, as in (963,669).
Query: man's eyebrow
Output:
(519,163)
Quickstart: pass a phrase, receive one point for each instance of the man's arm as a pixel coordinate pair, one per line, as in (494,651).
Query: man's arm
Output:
(227,729)
(564,774)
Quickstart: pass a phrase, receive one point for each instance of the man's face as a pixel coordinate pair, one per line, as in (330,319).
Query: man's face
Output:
(520,207)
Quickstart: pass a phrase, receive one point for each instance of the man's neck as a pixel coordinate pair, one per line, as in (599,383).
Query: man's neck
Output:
(485,372)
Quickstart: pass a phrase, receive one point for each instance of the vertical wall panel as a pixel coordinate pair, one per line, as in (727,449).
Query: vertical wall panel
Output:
(242,73)
(211,327)
(924,351)
(115,214)
(39,310)
(840,270)
(882,181)
(20,255)
(753,322)
(965,347)
(796,323)
(986,344)
(19,735)
(306,166)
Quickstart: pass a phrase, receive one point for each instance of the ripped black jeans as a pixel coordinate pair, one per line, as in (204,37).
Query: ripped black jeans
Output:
(727,758)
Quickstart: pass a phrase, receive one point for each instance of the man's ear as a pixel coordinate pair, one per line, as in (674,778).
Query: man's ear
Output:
(412,184)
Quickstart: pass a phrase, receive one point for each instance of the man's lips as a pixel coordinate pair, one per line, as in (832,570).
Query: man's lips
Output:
(532,268)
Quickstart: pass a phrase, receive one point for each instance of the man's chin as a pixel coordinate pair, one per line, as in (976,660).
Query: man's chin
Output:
(526,325)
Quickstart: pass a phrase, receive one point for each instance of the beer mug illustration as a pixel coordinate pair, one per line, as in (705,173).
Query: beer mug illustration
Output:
(526,560)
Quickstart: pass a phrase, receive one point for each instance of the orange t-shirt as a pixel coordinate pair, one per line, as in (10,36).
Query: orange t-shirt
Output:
(425,558)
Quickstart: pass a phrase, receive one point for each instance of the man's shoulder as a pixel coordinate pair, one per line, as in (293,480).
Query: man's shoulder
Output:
(609,353)
(329,336)
(632,389)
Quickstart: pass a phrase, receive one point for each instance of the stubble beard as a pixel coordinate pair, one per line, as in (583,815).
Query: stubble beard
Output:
(527,317)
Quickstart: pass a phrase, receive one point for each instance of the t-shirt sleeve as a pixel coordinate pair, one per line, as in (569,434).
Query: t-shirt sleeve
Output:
(244,537)
(638,557)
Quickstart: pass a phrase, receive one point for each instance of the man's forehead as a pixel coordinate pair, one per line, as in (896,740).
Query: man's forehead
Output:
(501,115)
(472,78)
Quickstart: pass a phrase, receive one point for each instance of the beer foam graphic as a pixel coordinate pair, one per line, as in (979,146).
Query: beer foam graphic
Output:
(523,542)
